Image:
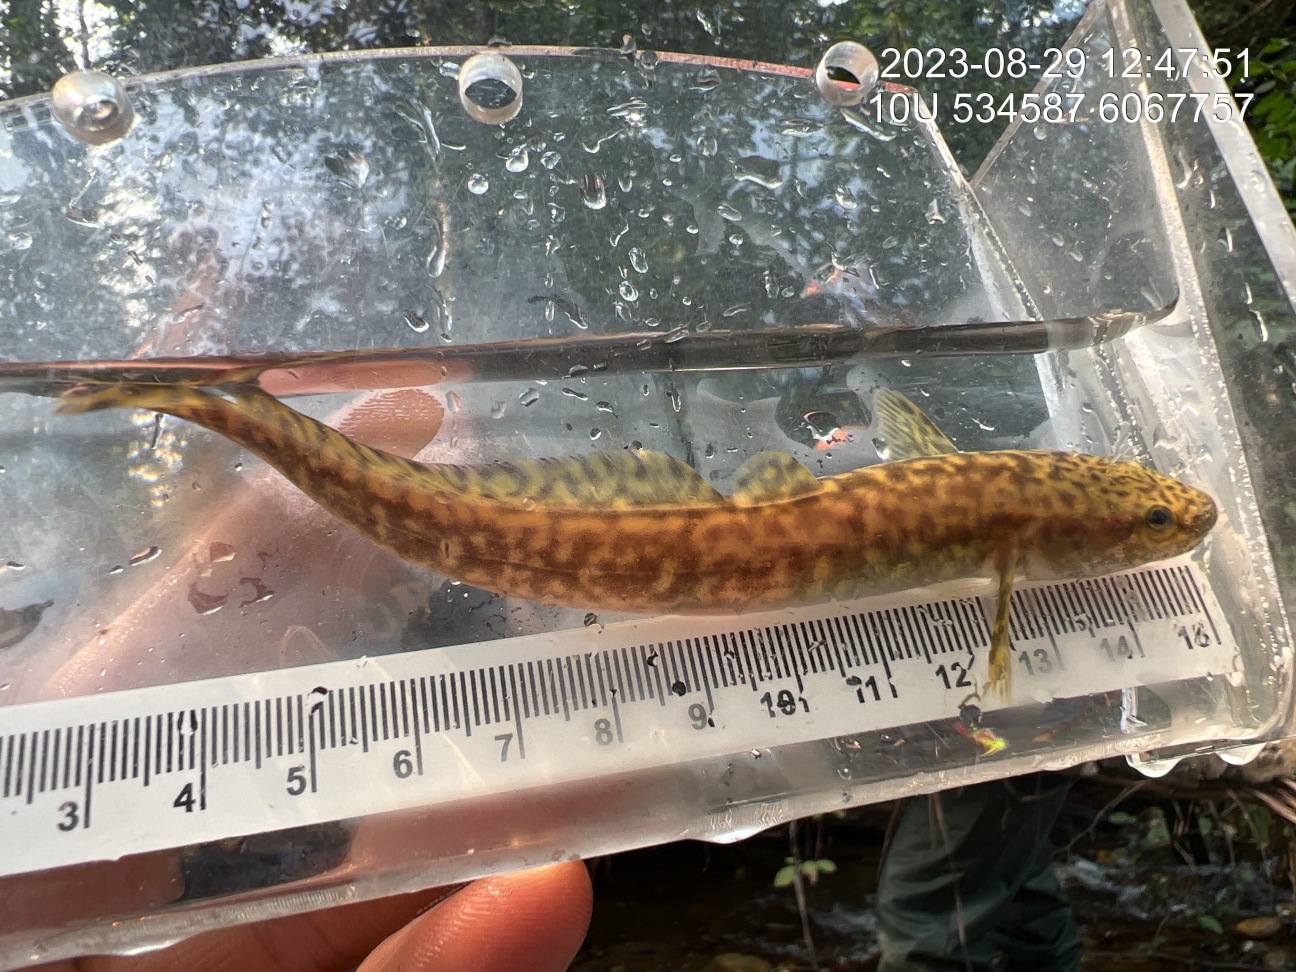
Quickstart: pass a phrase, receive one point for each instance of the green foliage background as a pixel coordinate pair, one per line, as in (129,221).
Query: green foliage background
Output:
(43,39)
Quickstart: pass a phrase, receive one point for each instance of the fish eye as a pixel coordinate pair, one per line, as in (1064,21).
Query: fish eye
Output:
(1159,518)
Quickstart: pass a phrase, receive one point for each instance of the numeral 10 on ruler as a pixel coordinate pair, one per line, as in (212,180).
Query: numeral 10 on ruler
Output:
(145,769)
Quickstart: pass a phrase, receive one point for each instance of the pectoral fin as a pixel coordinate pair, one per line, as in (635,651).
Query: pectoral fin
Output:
(1000,683)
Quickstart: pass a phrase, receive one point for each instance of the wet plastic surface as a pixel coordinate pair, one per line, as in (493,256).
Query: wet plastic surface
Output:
(350,204)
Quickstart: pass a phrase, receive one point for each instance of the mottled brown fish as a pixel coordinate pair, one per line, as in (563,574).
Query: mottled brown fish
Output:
(641,531)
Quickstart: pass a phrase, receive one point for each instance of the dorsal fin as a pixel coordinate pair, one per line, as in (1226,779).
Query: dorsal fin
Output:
(905,430)
(770,476)
(609,480)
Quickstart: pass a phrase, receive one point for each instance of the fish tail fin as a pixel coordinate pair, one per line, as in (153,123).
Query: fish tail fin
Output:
(170,398)
(300,447)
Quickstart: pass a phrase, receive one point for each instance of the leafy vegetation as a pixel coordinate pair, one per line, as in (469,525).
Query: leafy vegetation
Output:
(1273,114)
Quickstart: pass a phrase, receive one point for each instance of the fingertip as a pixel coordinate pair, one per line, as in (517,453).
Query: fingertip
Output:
(526,921)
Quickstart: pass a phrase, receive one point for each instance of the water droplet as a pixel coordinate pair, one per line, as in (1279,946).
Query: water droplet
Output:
(628,291)
(220,553)
(707,80)
(709,452)
(633,113)
(592,191)
(478,184)
(591,619)
(518,159)
(528,504)
(845,198)
(550,159)
(417,324)
(675,335)
(349,167)
(144,556)
(890,241)
(205,603)
(498,410)
(12,565)
(453,402)
(707,146)
(934,214)
(605,407)
(436,252)
(1261,326)
(19,241)
(438,313)
(625,181)
(529,397)
(638,260)
(728,212)
(573,393)
(595,434)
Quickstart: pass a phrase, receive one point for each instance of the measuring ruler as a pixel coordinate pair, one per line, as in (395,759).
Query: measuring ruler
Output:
(101,777)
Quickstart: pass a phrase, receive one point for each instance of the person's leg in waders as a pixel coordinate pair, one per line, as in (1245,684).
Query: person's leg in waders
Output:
(967,883)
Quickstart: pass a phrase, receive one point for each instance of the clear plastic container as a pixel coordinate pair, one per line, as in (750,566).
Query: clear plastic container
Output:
(699,256)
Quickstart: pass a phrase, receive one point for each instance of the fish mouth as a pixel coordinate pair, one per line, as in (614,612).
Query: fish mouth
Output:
(1199,523)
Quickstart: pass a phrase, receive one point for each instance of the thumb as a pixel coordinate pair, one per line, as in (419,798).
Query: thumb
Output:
(528,921)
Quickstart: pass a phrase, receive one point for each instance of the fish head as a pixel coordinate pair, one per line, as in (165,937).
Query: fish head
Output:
(1166,517)
(1120,515)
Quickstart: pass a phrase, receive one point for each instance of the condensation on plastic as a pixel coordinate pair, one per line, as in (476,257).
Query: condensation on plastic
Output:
(349,202)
